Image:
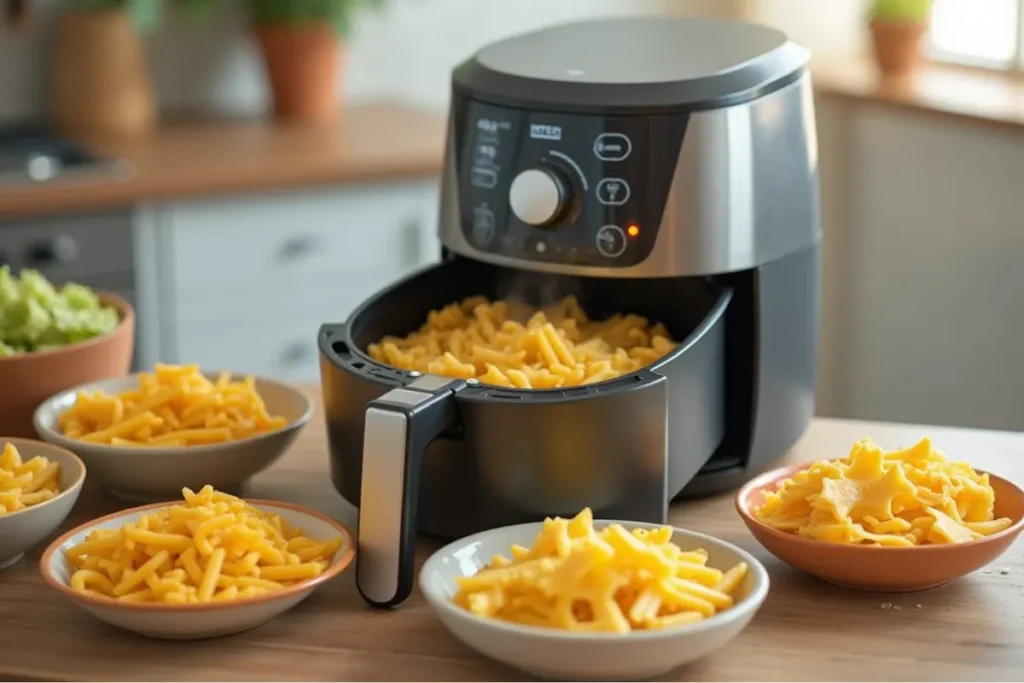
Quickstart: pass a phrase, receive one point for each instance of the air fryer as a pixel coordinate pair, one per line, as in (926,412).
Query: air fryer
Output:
(675,180)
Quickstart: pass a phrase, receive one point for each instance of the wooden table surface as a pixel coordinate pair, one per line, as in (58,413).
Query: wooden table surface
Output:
(972,629)
(200,158)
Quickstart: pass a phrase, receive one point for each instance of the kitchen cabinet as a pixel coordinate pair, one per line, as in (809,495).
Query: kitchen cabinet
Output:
(245,282)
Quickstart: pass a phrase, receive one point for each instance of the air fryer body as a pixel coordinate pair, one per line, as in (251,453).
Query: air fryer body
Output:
(687,192)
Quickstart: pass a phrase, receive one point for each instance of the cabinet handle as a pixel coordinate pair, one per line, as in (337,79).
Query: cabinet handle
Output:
(299,247)
(62,249)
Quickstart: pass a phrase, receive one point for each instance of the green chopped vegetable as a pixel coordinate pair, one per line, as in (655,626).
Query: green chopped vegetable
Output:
(36,316)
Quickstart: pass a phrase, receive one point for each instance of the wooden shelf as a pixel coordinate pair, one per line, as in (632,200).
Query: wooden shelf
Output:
(970,95)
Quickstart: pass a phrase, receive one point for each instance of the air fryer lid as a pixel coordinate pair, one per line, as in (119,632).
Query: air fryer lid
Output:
(686,63)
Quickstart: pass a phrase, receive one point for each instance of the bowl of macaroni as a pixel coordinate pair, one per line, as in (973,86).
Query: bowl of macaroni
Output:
(39,484)
(207,565)
(578,599)
(901,520)
(146,436)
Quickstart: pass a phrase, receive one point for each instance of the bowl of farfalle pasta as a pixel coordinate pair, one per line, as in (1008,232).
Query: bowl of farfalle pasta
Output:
(884,520)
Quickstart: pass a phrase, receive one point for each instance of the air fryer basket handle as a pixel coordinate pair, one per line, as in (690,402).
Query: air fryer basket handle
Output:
(399,427)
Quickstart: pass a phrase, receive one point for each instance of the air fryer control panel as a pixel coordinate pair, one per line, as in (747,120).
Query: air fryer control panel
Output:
(564,188)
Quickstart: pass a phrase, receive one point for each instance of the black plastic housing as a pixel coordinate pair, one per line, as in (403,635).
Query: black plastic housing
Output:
(622,448)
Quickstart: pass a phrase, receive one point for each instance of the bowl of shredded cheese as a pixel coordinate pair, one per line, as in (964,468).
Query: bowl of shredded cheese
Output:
(146,436)
(899,520)
(209,564)
(578,599)
(39,484)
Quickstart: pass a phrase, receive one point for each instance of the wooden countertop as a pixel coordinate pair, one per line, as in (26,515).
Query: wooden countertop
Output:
(188,160)
(807,630)
(965,94)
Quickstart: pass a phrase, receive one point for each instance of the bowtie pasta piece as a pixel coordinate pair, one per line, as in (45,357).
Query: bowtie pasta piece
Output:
(901,498)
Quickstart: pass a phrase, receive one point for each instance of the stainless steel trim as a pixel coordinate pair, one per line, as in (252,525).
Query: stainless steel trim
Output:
(380,504)
(382,488)
(430,383)
(744,193)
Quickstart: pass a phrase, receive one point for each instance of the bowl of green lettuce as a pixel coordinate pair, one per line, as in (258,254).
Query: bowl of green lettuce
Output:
(53,337)
(36,315)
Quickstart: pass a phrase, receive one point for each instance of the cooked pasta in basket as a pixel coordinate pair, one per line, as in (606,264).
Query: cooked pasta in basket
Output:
(511,344)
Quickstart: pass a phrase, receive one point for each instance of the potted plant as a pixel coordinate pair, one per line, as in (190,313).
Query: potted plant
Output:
(101,82)
(897,27)
(302,42)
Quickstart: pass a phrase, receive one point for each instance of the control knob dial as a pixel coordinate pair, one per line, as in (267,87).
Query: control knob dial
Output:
(539,196)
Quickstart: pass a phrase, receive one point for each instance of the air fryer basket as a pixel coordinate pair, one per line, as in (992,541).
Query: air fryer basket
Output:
(495,456)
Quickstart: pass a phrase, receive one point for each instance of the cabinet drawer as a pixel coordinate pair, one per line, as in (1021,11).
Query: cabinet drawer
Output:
(239,242)
(328,298)
(285,350)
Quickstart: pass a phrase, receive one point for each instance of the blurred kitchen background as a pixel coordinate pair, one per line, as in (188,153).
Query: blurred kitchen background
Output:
(236,234)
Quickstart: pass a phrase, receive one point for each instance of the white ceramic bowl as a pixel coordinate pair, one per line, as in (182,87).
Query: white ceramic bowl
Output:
(209,620)
(151,474)
(562,655)
(23,529)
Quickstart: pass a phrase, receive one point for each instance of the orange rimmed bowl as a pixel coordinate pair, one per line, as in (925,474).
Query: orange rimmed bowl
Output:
(205,620)
(29,379)
(876,568)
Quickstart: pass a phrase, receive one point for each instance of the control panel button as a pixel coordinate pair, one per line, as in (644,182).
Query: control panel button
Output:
(483,225)
(485,178)
(611,241)
(612,147)
(613,191)
(538,196)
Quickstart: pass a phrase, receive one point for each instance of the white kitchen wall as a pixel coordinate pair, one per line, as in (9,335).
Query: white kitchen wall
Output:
(406,52)
(923,293)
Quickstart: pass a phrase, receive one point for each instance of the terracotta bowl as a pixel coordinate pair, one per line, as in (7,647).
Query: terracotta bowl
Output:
(195,621)
(874,568)
(29,379)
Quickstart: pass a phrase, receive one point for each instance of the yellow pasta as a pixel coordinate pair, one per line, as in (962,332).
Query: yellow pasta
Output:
(576,578)
(509,344)
(214,547)
(175,405)
(24,483)
(902,498)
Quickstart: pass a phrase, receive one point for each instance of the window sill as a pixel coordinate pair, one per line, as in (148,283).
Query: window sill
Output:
(963,93)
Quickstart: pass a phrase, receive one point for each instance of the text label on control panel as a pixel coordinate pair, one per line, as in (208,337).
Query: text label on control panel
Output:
(612,147)
(611,241)
(613,191)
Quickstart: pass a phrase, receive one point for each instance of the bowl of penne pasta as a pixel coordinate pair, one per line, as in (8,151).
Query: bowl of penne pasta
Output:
(208,564)
(146,436)
(579,599)
(39,484)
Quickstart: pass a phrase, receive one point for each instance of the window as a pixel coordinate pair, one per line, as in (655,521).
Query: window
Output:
(987,33)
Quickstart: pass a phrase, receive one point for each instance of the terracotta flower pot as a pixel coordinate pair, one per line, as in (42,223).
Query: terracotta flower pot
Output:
(897,46)
(29,379)
(101,82)
(303,65)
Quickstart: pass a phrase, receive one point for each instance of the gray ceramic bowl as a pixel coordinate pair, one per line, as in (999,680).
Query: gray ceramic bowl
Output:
(23,529)
(562,655)
(149,474)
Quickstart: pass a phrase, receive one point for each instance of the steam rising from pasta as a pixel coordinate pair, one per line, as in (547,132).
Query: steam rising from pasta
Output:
(511,344)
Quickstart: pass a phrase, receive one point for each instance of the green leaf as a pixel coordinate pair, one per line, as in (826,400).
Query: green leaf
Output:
(340,14)
(900,10)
